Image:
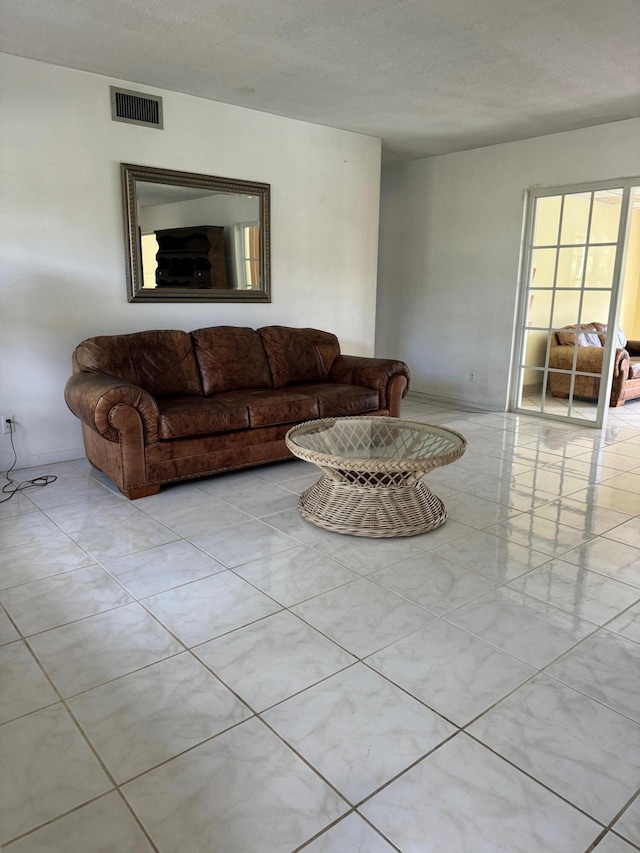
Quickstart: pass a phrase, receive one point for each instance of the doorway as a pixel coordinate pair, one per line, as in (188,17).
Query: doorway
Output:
(581,277)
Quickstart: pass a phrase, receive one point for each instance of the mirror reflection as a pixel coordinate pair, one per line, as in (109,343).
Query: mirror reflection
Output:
(195,238)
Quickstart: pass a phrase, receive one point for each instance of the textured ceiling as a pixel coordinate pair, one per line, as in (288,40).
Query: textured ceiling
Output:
(427,76)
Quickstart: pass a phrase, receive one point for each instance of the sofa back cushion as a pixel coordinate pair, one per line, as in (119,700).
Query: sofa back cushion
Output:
(621,338)
(299,355)
(587,336)
(230,358)
(162,362)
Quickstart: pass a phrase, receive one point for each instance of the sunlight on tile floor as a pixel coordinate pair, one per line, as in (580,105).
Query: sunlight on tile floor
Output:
(202,671)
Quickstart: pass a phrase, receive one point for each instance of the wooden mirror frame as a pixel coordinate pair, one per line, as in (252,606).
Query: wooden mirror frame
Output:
(130,175)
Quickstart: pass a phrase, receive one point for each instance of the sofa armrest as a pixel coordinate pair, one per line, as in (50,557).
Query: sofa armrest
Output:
(94,398)
(589,359)
(390,378)
(633,348)
(621,363)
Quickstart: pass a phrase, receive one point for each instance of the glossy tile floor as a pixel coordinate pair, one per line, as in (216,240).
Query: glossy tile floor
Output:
(586,410)
(202,671)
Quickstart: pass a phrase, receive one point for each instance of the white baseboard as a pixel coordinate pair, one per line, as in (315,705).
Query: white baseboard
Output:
(536,388)
(35,460)
(458,402)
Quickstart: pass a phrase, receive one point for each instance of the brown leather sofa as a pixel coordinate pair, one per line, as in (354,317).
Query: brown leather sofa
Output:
(162,406)
(590,343)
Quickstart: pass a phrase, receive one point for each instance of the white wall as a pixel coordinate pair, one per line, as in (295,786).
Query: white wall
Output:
(226,210)
(62,271)
(450,235)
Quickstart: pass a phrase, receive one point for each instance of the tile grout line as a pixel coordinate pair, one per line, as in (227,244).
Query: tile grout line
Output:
(80,729)
(598,628)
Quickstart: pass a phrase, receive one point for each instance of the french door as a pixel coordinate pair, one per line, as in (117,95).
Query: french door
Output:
(573,258)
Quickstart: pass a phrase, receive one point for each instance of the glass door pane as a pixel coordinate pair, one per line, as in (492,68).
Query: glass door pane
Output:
(571,267)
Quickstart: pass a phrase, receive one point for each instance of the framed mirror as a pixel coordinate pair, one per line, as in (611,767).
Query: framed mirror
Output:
(195,238)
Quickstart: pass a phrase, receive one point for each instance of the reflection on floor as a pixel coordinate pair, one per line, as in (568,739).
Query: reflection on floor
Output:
(204,671)
(584,409)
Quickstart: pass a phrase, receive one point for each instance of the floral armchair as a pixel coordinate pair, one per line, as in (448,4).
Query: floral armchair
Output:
(590,343)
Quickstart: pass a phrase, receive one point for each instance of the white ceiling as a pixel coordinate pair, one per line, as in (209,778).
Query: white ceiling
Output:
(427,76)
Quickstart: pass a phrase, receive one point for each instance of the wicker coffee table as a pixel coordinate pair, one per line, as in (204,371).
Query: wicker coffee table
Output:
(372,474)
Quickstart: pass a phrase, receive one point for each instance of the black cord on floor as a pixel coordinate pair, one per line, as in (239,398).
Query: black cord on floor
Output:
(11,487)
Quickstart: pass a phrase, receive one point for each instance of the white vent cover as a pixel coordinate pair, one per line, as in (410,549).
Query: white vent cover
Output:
(136,107)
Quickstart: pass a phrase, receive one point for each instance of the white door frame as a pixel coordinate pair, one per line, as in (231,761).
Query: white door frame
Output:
(518,355)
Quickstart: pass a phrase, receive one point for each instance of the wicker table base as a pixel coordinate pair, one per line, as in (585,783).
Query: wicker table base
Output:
(380,512)
(372,473)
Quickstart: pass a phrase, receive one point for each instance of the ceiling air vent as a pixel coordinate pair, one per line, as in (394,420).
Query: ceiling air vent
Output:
(136,108)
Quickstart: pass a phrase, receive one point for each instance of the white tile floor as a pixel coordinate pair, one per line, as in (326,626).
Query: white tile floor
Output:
(204,672)
(580,408)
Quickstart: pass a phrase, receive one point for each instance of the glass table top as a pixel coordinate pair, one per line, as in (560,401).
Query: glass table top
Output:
(372,438)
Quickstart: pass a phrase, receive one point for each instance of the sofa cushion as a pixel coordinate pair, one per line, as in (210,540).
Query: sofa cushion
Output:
(268,408)
(621,338)
(162,362)
(181,417)
(588,336)
(299,355)
(231,358)
(335,399)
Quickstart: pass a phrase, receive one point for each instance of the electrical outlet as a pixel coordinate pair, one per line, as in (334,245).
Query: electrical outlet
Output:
(472,376)
(8,423)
